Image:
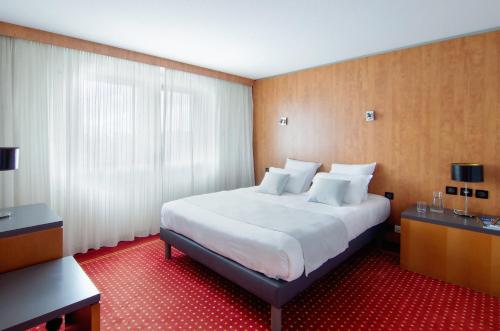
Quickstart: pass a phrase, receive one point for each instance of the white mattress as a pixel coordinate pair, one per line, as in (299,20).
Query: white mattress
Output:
(270,252)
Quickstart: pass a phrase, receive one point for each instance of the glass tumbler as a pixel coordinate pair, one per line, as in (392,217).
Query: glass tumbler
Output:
(421,206)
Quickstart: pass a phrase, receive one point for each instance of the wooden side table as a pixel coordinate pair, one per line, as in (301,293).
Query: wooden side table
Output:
(43,292)
(33,234)
(452,248)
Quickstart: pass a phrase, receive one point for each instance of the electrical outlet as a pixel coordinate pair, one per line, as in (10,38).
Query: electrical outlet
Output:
(482,194)
(397,228)
(283,121)
(389,195)
(469,191)
(452,190)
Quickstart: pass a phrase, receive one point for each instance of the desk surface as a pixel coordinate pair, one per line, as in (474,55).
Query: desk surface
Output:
(28,218)
(39,293)
(448,218)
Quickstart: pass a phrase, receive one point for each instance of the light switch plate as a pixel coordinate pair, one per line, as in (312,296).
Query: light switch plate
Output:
(482,194)
(451,190)
(283,121)
(469,192)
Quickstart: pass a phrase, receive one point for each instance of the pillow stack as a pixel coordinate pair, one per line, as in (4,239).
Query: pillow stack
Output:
(295,178)
(309,168)
(358,176)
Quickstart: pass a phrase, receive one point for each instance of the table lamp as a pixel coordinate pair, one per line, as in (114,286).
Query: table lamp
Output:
(467,173)
(9,160)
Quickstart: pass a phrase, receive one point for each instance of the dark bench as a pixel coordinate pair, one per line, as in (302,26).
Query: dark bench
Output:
(46,291)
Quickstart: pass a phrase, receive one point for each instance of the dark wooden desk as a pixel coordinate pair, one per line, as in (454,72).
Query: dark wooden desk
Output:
(33,295)
(452,248)
(33,234)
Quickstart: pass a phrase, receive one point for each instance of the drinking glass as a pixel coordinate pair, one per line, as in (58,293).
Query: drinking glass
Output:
(421,206)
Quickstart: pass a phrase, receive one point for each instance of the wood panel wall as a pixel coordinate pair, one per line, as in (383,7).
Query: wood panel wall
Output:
(21,32)
(435,104)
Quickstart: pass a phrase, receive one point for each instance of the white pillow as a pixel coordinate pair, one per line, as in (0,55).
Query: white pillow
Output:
(296,181)
(353,169)
(328,191)
(309,167)
(273,183)
(357,191)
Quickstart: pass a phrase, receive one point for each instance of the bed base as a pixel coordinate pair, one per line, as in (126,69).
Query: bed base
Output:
(276,292)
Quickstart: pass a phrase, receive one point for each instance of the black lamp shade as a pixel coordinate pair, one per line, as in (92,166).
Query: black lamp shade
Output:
(9,158)
(467,172)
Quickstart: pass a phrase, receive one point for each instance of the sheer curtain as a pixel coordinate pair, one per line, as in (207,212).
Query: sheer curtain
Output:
(105,141)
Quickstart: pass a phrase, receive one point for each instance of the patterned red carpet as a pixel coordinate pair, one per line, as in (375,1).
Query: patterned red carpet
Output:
(140,290)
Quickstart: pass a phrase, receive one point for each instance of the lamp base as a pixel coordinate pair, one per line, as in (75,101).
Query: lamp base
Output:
(463,213)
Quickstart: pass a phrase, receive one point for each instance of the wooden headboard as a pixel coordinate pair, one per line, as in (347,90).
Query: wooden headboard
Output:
(435,104)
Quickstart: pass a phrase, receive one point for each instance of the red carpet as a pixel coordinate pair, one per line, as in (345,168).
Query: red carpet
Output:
(140,290)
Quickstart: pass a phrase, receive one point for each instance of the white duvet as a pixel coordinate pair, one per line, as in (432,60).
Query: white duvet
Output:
(270,250)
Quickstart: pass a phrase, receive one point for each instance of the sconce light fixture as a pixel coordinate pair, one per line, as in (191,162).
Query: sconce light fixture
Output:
(370,116)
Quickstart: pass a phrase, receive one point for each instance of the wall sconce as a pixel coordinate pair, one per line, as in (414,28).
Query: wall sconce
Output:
(370,116)
(283,121)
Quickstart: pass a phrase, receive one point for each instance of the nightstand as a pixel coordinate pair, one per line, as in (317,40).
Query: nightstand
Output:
(452,248)
(33,234)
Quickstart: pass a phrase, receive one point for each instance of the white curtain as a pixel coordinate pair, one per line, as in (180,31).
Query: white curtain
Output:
(105,141)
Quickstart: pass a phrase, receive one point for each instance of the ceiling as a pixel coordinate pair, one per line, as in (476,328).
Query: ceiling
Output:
(256,38)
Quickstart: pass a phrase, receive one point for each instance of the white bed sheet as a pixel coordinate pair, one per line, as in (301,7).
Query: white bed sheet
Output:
(273,253)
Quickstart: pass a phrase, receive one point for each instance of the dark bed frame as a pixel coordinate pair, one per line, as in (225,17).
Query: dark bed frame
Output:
(273,291)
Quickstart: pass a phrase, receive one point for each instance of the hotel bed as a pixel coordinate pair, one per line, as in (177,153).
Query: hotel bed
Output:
(230,233)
